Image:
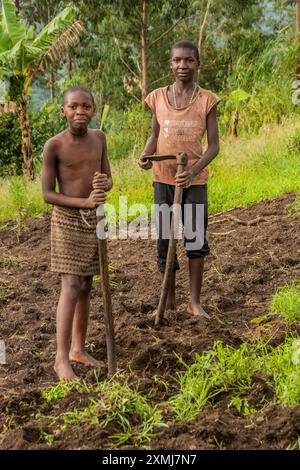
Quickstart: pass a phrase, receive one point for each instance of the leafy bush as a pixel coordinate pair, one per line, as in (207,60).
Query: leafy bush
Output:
(10,149)
(44,125)
(124,132)
(268,79)
(123,129)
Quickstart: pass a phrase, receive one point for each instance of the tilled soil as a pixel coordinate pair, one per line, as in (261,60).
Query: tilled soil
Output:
(246,265)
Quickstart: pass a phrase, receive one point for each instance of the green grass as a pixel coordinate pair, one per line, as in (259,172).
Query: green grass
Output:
(252,169)
(221,373)
(294,208)
(224,369)
(48,438)
(247,170)
(111,401)
(8,261)
(283,365)
(219,370)
(20,199)
(295,445)
(60,391)
(286,302)
(6,289)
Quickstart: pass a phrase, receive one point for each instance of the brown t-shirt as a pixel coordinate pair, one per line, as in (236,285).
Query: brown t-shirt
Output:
(181,130)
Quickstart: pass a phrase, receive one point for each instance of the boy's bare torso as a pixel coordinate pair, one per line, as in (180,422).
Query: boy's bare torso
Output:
(77,159)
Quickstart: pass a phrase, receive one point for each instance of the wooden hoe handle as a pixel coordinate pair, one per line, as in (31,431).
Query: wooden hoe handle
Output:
(107,307)
(181,165)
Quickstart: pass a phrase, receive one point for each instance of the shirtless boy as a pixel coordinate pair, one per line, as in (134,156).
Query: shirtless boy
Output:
(77,159)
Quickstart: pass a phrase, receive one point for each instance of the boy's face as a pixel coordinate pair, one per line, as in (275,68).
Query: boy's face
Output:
(78,109)
(184,64)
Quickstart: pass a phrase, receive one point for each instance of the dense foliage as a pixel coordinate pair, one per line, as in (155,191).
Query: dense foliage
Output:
(244,45)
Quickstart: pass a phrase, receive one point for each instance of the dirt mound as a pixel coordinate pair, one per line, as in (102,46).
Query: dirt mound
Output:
(247,264)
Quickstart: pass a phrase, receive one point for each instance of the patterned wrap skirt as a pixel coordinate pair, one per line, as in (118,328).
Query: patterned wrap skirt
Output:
(74,244)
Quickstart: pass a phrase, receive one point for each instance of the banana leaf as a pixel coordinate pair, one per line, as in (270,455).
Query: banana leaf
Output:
(53,30)
(12,30)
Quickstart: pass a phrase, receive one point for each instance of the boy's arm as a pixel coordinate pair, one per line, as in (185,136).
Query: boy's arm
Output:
(185,178)
(49,175)
(150,146)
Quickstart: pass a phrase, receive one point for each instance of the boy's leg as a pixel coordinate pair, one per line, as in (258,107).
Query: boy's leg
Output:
(196,267)
(70,288)
(163,198)
(78,352)
(196,250)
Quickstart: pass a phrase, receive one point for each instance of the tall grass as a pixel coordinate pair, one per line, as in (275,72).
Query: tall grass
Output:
(247,170)
(20,199)
(250,170)
(268,80)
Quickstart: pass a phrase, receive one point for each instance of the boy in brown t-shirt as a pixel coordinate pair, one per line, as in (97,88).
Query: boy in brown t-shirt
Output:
(182,113)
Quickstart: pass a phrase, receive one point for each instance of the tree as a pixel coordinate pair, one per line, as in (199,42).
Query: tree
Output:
(23,56)
(142,35)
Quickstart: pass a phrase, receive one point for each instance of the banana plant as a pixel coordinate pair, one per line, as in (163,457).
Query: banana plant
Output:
(23,55)
(238,96)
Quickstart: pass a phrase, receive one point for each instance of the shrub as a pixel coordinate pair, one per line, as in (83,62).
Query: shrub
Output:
(10,148)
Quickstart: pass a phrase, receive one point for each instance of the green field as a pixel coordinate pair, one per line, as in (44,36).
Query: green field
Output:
(247,170)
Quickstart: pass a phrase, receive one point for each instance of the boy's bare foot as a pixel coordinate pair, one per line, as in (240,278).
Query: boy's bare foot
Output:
(84,358)
(64,371)
(195,310)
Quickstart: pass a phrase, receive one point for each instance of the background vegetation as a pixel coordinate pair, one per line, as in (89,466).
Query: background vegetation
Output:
(249,57)
(244,45)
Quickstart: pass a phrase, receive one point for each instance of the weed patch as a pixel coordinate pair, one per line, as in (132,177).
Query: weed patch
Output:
(221,369)
(113,401)
(225,369)
(286,302)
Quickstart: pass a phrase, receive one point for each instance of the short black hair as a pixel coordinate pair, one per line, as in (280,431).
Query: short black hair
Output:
(187,45)
(78,88)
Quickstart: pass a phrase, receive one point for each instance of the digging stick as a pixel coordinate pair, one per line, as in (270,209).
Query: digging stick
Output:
(181,160)
(104,280)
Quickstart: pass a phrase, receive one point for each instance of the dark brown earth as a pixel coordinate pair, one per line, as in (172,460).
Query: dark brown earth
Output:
(246,266)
